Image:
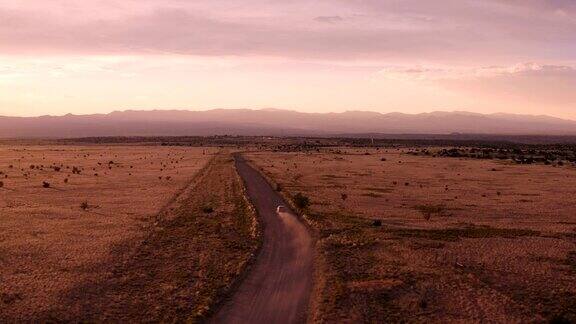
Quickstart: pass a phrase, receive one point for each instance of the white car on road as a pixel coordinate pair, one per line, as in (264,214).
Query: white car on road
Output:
(282,209)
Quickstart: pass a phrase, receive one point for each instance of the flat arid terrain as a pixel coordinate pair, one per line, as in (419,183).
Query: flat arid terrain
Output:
(119,232)
(406,238)
(176,230)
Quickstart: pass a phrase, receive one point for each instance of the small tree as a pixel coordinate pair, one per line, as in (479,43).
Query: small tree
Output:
(301,201)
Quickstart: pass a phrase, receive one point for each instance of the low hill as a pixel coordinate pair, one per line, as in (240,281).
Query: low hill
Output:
(278,122)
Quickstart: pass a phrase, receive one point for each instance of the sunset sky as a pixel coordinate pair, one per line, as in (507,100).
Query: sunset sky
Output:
(80,56)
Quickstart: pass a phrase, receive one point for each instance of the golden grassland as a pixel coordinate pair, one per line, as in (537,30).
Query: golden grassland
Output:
(86,227)
(424,239)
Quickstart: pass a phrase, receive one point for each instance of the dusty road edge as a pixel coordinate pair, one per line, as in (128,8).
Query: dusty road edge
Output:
(257,234)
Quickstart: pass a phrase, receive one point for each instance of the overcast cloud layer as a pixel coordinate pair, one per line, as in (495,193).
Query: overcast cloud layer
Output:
(449,50)
(331,29)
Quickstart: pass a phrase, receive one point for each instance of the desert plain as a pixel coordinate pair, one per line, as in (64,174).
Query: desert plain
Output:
(117,232)
(406,238)
(73,217)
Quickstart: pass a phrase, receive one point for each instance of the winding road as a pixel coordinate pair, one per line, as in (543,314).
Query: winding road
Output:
(277,288)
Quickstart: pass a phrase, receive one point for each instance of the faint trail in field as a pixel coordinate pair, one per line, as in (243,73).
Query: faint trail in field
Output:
(277,289)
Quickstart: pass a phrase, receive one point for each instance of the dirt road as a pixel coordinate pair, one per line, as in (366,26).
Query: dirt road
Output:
(277,289)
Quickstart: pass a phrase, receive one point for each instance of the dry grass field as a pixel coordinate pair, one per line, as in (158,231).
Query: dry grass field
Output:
(73,217)
(405,238)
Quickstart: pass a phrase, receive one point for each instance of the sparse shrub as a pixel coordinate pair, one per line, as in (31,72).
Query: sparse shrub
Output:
(45,184)
(383,159)
(423,303)
(84,205)
(377,223)
(278,187)
(560,319)
(65,180)
(301,201)
(428,210)
(1,184)
(208,209)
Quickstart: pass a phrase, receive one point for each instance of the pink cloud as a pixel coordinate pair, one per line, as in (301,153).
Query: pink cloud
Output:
(537,85)
(460,30)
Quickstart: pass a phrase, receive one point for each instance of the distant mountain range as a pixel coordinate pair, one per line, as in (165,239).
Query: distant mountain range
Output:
(276,122)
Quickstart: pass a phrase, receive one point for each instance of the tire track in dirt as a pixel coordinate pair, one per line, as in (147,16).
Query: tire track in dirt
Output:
(277,289)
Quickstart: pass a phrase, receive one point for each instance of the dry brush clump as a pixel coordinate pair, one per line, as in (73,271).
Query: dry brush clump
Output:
(429,210)
(301,201)
(207,209)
